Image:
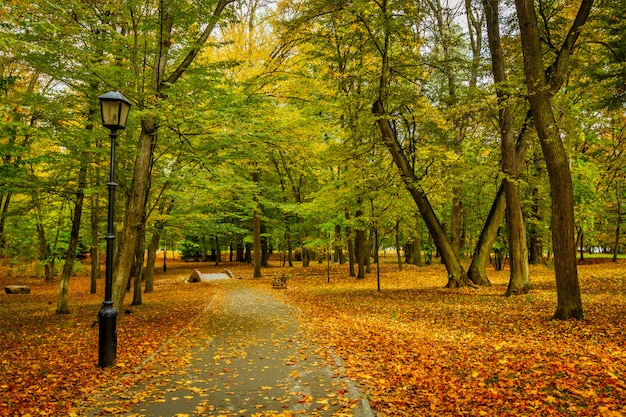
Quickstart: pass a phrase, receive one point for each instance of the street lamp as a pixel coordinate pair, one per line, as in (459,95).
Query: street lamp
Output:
(114,108)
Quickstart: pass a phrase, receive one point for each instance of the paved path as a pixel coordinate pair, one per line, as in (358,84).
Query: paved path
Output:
(256,364)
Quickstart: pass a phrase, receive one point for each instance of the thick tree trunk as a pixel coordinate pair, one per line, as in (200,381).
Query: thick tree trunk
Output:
(456,274)
(480,260)
(135,211)
(569,303)
(140,185)
(519,278)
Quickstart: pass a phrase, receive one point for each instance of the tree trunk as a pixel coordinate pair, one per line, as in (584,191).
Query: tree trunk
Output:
(139,261)
(534,238)
(256,223)
(140,185)
(135,211)
(153,248)
(350,240)
(398,255)
(456,274)
(519,278)
(360,246)
(64,286)
(3,218)
(289,245)
(45,254)
(265,255)
(94,251)
(218,251)
(618,223)
(338,255)
(569,304)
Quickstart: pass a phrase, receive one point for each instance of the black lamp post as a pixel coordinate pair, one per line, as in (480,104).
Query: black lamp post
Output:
(114,108)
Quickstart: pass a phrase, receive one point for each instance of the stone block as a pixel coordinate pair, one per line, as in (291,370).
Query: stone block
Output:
(17,289)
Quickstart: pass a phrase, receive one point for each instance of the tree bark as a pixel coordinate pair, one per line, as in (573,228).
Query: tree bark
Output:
(519,278)
(569,304)
(135,211)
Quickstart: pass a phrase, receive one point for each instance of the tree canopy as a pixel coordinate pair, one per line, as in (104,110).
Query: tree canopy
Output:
(294,126)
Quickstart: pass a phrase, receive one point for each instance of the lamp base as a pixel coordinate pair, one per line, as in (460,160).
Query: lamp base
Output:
(107,344)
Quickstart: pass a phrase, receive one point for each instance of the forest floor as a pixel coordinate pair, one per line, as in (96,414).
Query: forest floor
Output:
(414,348)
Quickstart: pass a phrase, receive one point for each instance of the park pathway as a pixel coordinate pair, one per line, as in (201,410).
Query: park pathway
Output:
(257,363)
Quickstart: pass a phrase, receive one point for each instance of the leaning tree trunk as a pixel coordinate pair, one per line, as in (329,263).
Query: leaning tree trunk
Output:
(3,218)
(135,211)
(569,304)
(140,185)
(478,268)
(477,271)
(456,274)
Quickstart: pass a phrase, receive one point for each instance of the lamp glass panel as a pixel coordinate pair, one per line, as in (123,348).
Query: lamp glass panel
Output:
(124,108)
(110,113)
